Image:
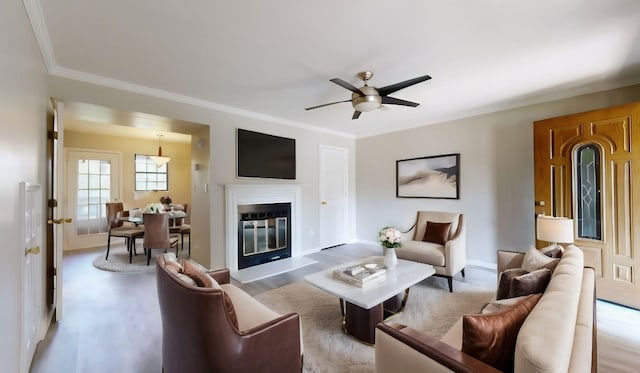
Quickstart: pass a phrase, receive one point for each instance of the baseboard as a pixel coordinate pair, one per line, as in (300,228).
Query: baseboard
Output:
(482,264)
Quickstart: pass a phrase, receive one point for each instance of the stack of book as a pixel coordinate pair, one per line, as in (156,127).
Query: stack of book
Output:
(360,274)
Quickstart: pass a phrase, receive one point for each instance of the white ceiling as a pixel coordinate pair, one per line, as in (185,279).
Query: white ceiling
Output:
(271,59)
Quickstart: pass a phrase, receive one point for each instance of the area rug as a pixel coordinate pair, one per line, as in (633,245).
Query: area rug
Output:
(430,309)
(119,260)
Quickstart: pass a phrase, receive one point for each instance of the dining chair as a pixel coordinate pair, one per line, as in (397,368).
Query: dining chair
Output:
(181,228)
(156,234)
(115,222)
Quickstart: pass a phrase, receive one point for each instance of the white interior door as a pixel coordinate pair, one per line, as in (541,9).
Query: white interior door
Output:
(92,180)
(33,275)
(333,192)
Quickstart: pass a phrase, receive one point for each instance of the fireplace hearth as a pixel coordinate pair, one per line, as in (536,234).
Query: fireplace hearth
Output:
(264,233)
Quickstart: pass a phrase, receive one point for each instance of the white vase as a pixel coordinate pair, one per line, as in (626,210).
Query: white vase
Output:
(390,258)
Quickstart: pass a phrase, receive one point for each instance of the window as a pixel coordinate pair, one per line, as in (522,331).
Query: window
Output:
(149,177)
(93,191)
(587,192)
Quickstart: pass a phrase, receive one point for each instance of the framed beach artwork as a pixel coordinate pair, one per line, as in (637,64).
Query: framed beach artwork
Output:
(429,177)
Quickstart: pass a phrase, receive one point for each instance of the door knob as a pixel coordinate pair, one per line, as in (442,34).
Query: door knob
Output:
(324,202)
(32,250)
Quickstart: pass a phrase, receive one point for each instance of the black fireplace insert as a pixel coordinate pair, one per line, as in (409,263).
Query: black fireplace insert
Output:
(264,233)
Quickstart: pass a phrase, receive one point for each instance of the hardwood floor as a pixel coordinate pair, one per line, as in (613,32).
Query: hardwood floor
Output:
(111,321)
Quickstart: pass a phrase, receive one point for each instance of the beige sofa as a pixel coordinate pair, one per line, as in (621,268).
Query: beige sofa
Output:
(558,335)
(447,258)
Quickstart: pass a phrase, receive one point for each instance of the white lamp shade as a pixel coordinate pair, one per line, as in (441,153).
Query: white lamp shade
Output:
(159,160)
(552,229)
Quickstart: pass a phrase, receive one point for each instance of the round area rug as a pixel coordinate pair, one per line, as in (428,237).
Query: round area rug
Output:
(119,260)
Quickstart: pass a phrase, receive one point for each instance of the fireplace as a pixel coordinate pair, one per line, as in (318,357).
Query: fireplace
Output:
(242,199)
(264,233)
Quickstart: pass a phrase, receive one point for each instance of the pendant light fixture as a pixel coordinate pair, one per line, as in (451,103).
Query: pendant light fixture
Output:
(159,160)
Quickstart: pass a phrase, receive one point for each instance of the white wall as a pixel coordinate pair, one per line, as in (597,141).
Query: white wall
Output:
(23,105)
(220,169)
(496,173)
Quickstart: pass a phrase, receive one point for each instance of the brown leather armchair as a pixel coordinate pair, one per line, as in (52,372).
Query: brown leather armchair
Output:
(199,336)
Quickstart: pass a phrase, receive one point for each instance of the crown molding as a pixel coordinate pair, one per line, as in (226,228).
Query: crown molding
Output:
(34,12)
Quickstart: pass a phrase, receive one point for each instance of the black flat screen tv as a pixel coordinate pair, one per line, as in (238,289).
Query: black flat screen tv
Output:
(265,156)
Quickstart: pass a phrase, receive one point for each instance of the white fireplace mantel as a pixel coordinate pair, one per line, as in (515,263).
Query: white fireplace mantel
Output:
(252,194)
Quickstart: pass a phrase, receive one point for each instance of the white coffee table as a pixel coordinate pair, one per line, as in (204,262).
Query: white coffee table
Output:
(363,308)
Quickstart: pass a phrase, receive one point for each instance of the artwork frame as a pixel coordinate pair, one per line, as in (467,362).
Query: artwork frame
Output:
(435,176)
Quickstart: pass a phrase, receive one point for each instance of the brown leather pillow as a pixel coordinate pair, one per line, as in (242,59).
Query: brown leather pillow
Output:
(504,282)
(530,283)
(437,232)
(201,278)
(491,338)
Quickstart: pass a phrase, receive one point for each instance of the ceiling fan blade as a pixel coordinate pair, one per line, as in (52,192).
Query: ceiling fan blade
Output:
(346,85)
(323,105)
(397,101)
(356,115)
(398,86)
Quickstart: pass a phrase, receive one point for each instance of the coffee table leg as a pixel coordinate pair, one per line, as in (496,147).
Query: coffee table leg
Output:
(361,323)
(395,304)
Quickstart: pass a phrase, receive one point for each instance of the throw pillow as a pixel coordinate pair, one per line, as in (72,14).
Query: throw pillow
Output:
(492,338)
(504,283)
(437,232)
(530,283)
(202,279)
(553,251)
(534,259)
(500,304)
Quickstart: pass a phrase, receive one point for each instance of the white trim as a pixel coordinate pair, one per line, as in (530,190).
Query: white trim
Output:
(34,12)
(249,194)
(482,264)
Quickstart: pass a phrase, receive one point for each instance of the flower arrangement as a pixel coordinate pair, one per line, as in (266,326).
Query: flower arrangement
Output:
(166,200)
(390,237)
(154,208)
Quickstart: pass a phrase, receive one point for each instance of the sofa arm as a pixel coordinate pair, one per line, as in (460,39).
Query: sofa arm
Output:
(222,276)
(509,259)
(275,346)
(455,251)
(402,349)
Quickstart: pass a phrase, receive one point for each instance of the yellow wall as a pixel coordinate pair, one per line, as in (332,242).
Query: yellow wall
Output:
(179,166)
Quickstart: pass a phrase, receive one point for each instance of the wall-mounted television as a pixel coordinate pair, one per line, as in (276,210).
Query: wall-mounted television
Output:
(265,156)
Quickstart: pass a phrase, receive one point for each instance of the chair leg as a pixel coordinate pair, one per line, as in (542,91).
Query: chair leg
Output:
(130,254)
(108,246)
(148,255)
(189,234)
(450,281)
(462,271)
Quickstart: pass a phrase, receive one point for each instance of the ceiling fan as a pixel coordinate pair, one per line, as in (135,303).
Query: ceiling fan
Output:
(367,98)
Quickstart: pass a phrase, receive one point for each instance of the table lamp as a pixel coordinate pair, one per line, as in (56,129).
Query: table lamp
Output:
(554,229)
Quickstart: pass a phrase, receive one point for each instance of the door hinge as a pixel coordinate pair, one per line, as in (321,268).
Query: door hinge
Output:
(52,203)
(52,135)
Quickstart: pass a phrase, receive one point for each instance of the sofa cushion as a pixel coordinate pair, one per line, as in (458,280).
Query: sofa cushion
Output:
(501,304)
(530,283)
(534,259)
(437,232)
(504,281)
(491,338)
(423,252)
(250,313)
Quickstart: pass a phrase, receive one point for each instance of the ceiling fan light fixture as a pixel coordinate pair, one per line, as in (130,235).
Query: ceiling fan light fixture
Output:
(370,101)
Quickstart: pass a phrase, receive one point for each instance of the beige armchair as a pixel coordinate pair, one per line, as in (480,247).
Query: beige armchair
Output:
(448,254)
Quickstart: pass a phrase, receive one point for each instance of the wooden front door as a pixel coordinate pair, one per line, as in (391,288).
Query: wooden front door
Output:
(587,167)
